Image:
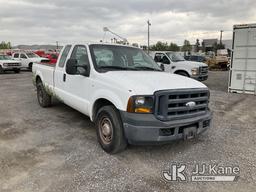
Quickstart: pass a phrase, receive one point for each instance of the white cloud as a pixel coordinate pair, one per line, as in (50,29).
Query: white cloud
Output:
(48,21)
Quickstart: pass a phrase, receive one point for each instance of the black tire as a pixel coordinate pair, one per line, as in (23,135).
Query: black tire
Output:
(182,73)
(17,71)
(1,70)
(44,99)
(114,141)
(30,65)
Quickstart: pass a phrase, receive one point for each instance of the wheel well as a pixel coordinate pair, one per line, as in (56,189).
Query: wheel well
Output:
(178,71)
(98,104)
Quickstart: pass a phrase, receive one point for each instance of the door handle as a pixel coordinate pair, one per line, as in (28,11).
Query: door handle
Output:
(64,77)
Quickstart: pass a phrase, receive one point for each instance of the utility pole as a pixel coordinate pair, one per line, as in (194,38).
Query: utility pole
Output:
(221,31)
(149,24)
(57,45)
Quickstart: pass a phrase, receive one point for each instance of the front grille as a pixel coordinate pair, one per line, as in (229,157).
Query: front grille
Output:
(203,70)
(12,64)
(181,104)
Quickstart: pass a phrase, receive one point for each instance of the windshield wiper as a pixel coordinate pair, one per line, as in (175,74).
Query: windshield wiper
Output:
(147,68)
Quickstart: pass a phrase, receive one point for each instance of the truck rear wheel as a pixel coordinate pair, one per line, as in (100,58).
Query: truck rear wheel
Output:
(1,70)
(44,99)
(110,132)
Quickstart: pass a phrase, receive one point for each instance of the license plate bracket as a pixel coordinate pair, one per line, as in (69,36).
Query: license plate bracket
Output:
(189,133)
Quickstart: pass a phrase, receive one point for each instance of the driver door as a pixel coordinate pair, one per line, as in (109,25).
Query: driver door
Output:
(163,61)
(77,87)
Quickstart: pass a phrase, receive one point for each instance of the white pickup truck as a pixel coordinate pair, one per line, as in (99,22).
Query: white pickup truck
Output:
(173,62)
(8,64)
(28,58)
(126,94)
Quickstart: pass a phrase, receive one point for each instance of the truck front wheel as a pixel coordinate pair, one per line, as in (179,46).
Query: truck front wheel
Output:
(44,99)
(110,132)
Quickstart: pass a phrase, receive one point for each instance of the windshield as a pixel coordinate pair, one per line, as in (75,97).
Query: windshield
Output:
(113,57)
(32,55)
(5,57)
(175,57)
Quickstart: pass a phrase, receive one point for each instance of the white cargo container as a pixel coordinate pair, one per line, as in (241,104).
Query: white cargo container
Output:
(242,77)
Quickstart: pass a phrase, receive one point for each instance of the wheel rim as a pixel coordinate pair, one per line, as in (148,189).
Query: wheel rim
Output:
(106,130)
(40,95)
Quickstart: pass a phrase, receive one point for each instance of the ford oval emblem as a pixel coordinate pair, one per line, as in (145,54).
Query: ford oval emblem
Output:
(190,104)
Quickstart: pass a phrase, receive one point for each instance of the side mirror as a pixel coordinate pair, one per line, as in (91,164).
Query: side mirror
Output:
(72,68)
(162,67)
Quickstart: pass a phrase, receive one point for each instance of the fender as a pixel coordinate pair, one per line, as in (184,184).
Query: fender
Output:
(119,103)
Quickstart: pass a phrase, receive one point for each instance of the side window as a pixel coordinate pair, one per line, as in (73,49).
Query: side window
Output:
(80,54)
(158,57)
(23,56)
(16,55)
(165,60)
(64,56)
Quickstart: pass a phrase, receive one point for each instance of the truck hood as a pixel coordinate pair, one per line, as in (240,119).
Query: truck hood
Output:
(193,63)
(147,82)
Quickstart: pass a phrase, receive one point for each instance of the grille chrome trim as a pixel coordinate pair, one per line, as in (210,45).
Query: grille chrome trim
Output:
(171,104)
(203,70)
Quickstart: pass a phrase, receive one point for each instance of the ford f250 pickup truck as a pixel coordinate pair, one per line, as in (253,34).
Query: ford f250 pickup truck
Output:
(173,62)
(126,94)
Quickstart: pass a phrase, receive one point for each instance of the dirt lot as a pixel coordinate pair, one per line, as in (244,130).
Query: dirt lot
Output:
(55,149)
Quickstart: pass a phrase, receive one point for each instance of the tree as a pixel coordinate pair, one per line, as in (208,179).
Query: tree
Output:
(186,47)
(217,46)
(173,47)
(203,46)
(161,46)
(197,45)
(4,45)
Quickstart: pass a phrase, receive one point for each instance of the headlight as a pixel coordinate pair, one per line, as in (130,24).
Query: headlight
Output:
(195,71)
(140,104)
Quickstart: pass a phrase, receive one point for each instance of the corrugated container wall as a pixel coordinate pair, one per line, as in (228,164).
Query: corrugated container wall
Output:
(242,77)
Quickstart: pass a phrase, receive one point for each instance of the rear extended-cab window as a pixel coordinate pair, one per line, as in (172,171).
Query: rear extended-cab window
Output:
(64,55)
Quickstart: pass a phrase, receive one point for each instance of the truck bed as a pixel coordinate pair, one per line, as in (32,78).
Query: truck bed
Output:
(46,71)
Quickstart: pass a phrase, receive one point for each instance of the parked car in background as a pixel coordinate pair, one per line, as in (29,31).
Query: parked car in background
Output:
(52,56)
(197,58)
(8,64)
(173,62)
(28,58)
(127,95)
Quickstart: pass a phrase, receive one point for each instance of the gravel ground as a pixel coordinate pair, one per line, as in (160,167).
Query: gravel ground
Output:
(55,149)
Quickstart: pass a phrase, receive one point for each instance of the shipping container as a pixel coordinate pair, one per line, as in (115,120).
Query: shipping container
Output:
(242,76)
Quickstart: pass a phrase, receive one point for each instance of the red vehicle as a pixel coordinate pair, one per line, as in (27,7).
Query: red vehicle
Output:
(52,56)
